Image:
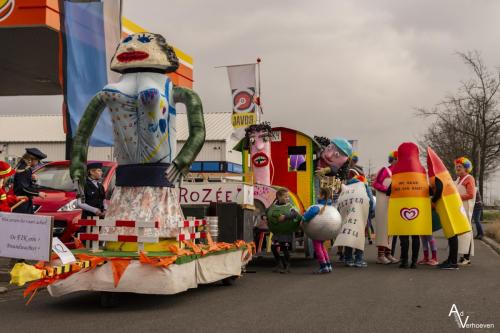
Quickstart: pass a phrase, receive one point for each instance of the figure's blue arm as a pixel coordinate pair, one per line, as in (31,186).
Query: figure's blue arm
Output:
(310,213)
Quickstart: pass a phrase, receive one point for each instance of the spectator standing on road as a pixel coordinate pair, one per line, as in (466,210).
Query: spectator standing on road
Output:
(382,239)
(466,187)
(25,181)
(95,194)
(477,215)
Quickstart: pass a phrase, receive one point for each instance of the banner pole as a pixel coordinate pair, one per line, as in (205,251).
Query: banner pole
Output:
(259,91)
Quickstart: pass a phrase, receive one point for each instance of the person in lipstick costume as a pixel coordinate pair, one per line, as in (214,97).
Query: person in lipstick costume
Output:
(409,212)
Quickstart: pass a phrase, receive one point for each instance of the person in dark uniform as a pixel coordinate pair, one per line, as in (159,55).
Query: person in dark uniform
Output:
(25,181)
(94,193)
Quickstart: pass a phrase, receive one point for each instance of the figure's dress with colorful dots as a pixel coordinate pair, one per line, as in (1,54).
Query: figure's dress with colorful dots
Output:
(143,119)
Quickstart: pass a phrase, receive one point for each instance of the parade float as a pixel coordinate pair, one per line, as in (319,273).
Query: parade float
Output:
(280,157)
(144,244)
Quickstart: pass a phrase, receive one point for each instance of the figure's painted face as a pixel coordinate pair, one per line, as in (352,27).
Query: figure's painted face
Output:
(260,148)
(144,50)
(332,157)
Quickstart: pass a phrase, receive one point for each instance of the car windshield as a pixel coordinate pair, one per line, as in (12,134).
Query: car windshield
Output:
(57,177)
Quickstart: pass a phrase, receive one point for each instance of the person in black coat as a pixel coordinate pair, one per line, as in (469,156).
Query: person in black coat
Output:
(25,181)
(94,193)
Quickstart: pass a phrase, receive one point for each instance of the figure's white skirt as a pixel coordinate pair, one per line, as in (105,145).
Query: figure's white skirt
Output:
(145,203)
(147,279)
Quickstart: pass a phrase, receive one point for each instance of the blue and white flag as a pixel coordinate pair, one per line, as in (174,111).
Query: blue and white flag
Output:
(91,32)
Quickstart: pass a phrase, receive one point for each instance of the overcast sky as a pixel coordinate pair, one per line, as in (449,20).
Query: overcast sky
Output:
(355,69)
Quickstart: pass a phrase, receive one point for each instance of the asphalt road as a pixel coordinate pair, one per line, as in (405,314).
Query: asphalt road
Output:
(376,299)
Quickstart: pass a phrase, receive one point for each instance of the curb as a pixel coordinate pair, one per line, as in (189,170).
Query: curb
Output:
(492,243)
(4,275)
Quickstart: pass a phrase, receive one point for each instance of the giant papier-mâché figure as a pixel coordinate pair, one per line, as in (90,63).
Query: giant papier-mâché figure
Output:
(258,138)
(333,157)
(142,108)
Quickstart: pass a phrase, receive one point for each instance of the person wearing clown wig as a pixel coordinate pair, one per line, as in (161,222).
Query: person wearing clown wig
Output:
(381,185)
(466,187)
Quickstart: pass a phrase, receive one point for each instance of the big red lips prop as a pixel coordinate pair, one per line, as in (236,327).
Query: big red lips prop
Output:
(409,204)
(132,56)
(449,206)
(260,160)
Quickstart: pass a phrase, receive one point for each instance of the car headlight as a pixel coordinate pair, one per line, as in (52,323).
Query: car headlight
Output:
(69,206)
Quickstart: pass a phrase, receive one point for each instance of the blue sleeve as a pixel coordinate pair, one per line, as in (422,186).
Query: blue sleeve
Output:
(370,197)
(310,213)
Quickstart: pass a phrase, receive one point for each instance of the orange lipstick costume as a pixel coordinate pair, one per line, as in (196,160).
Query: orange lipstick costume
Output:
(409,204)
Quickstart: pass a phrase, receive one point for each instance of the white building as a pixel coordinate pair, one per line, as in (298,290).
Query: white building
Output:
(45,132)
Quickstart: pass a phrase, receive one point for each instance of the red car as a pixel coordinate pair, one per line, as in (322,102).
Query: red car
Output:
(53,179)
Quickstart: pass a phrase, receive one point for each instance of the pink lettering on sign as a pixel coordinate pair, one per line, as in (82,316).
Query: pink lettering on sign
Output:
(207,193)
(195,196)
(183,194)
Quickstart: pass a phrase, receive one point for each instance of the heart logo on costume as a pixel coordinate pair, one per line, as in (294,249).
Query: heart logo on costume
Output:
(462,210)
(409,213)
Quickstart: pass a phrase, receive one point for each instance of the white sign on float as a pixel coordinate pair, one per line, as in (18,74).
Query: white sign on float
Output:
(25,236)
(62,251)
(204,194)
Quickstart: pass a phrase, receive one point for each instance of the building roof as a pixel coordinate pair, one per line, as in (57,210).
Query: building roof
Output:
(49,128)
(218,126)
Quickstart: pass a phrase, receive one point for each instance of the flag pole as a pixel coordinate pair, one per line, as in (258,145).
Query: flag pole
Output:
(259,90)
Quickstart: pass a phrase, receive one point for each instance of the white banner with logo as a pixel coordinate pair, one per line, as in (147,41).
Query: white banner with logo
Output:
(243,88)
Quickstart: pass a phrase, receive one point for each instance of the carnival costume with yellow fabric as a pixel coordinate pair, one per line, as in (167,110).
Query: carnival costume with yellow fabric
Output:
(409,203)
(449,206)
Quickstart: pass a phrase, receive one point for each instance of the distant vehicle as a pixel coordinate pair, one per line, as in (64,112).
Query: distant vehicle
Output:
(53,178)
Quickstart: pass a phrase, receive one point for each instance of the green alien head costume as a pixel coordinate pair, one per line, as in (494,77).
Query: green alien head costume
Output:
(291,222)
(142,108)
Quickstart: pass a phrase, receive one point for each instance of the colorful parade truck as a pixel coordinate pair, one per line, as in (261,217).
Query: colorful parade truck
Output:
(279,158)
